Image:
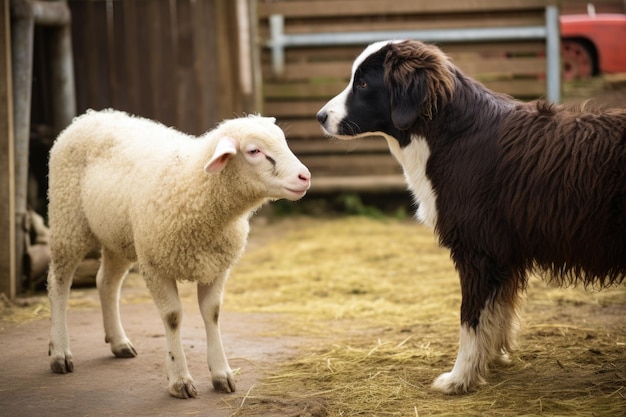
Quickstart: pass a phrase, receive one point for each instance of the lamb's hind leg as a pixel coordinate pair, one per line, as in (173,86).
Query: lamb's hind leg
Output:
(165,294)
(59,283)
(488,324)
(65,260)
(111,275)
(210,301)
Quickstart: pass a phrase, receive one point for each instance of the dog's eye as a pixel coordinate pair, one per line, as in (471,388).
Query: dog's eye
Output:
(361,84)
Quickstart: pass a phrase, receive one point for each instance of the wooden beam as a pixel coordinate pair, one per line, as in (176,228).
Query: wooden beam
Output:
(7,167)
(306,8)
(366,183)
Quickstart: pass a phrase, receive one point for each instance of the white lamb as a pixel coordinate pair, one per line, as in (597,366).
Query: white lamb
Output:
(177,205)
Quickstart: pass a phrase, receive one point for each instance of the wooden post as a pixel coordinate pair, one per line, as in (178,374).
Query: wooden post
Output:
(7,168)
(249,56)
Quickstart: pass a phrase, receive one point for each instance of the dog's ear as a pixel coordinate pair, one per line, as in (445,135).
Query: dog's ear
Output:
(408,96)
(419,79)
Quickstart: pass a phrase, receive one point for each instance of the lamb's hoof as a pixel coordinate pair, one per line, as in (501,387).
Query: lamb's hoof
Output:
(450,383)
(124,351)
(62,365)
(224,383)
(183,388)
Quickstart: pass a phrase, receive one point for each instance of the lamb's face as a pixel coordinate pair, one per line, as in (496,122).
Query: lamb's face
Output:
(257,149)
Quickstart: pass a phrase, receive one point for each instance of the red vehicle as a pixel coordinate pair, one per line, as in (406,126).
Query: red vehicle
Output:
(593,44)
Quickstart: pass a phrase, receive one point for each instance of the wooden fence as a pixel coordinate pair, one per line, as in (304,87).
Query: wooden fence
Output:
(599,6)
(176,61)
(312,75)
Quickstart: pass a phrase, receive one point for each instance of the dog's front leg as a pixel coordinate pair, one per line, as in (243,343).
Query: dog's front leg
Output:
(489,322)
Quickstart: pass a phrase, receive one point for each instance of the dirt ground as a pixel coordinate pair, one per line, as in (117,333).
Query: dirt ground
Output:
(102,385)
(588,331)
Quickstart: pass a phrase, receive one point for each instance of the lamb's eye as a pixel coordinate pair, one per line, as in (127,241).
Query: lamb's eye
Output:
(253,151)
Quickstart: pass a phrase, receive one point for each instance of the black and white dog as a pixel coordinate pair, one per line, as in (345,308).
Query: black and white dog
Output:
(509,187)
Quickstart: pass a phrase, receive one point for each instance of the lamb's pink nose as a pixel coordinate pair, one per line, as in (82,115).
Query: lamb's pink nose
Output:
(305,177)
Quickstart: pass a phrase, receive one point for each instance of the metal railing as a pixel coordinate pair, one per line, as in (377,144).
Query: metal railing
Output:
(549,32)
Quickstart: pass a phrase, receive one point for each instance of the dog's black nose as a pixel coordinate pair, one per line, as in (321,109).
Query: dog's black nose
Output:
(322,116)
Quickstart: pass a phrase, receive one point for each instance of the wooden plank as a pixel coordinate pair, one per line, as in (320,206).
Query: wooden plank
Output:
(293,108)
(225,65)
(328,8)
(206,66)
(349,53)
(185,79)
(96,64)
(327,54)
(529,88)
(351,164)
(321,145)
(8,267)
(494,48)
(108,37)
(360,183)
(122,97)
(601,6)
(78,10)
(312,70)
(469,63)
(199,107)
(477,66)
(301,90)
(131,46)
(329,90)
(300,128)
(91,59)
(155,57)
(145,62)
(164,37)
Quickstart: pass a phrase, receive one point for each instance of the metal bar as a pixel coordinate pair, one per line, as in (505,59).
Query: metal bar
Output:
(277,42)
(448,35)
(553,54)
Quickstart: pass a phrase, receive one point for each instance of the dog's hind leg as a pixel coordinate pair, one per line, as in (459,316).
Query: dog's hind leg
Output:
(489,322)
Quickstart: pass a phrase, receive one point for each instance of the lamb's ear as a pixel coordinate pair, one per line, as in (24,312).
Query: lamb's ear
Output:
(226,147)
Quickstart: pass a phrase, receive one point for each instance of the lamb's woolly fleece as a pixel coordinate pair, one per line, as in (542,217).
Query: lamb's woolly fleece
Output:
(139,189)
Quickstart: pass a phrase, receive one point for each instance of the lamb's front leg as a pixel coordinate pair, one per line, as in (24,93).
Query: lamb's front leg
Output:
(165,294)
(210,301)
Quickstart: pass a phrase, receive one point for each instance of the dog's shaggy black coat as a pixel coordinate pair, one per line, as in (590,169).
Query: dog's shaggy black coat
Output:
(519,186)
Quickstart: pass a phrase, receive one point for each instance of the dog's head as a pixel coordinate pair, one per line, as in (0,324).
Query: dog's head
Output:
(395,85)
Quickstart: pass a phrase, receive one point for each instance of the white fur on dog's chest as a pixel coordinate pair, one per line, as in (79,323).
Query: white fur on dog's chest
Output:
(413,159)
